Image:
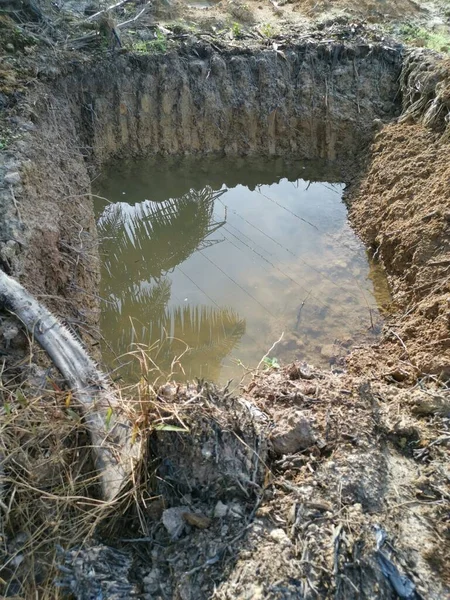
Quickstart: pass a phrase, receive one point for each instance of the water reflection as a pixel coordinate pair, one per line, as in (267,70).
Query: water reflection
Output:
(143,243)
(140,232)
(224,270)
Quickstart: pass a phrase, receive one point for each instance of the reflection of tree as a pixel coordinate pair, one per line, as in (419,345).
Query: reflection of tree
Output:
(209,333)
(152,238)
(143,243)
(142,304)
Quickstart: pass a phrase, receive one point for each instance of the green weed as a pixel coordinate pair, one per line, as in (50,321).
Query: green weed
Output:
(156,46)
(236,30)
(419,36)
(268,30)
(271,363)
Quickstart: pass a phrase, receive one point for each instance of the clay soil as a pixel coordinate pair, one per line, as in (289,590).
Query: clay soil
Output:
(402,209)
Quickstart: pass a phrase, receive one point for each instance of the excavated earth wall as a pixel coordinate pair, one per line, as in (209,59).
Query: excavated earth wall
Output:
(311,101)
(303,477)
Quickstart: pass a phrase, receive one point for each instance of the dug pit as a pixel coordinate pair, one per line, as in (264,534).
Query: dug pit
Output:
(288,488)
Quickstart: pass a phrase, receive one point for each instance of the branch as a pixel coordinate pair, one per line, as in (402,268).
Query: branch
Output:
(119,25)
(105,10)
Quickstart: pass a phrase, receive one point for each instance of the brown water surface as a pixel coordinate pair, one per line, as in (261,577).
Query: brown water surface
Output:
(213,259)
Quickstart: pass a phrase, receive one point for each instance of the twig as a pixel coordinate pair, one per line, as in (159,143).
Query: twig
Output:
(300,309)
(119,25)
(105,10)
(399,339)
(269,351)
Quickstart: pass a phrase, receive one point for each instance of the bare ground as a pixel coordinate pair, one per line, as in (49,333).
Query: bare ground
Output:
(402,210)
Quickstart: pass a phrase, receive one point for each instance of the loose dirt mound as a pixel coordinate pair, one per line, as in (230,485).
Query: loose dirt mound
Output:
(348,499)
(402,209)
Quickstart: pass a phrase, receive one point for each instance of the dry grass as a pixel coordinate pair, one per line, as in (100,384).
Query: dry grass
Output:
(49,491)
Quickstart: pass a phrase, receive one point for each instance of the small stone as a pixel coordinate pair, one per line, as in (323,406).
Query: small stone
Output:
(377,124)
(236,510)
(152,581)
(173,521)
(305,372)
(9,333)
(220,510)
(197,520)
(293,372)
(168,392)
(328,351)
(10,47)
(13,178)
(278,535)
(292,433)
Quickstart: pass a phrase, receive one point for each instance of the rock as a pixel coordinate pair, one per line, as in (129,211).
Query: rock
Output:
(9,333)
(328,351)
(293,372)
(13,178)
(237,511)
(220,510)
(305,371)
(377,124)
(152,581)
(278,535)
(10,47)
(292,433)
(168,392)
(197,520)
(433,405)
(173,521)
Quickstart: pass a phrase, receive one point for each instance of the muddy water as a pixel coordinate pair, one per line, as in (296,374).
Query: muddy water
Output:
(208,262)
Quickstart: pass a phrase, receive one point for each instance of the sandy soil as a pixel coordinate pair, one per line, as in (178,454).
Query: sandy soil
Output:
(285,13)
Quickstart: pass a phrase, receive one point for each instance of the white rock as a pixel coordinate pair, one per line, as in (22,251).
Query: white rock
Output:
(237,510)
(278,535)
(173,521)
(220,510)
(13,178)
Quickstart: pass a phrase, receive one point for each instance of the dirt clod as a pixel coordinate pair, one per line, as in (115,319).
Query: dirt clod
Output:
(292,433)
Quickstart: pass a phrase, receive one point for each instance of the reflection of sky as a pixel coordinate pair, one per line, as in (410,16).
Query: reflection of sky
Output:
(282,245)
(319,204)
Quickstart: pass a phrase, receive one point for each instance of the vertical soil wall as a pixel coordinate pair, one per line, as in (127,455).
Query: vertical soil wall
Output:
(316,100)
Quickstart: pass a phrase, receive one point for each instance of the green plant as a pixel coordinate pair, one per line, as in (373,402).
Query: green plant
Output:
(236,30)
(268,30)
(159,44)
(140,46)
(271,363)
(419,36)
(156,46)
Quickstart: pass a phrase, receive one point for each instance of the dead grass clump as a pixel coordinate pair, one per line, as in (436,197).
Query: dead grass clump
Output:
(426,91)
(49,493)
(49,488)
